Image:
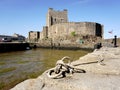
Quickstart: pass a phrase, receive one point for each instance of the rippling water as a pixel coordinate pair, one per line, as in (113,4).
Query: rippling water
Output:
(31,63)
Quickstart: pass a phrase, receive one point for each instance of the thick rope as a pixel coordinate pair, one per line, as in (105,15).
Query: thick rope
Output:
(62,68)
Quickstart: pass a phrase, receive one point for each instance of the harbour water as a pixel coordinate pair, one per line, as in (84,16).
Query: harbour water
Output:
(20,65)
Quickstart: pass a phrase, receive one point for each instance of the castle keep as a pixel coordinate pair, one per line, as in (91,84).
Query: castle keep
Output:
(59,32)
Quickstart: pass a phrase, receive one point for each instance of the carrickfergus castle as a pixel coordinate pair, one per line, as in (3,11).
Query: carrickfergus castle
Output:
(59,32)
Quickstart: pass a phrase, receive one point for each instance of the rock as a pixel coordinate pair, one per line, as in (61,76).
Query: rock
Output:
(31,84)
(97,77)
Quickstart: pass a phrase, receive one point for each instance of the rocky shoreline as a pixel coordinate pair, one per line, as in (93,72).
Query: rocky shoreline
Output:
(98,76)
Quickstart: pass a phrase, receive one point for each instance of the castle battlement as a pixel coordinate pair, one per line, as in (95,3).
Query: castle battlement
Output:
(51,9)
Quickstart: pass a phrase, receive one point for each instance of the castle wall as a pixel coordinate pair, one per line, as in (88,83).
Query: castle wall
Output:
(34,35)
(65,29)
(44,33)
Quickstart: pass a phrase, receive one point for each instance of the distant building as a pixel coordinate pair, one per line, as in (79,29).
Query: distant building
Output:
(15,37)
(5,38)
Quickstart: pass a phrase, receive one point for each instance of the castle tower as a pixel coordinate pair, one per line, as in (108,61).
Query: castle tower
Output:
(55,17)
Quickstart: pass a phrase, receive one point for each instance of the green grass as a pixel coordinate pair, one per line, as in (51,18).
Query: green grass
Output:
(7,70)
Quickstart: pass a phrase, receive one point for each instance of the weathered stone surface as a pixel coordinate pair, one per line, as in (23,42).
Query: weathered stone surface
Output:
(97,77)
(31,84)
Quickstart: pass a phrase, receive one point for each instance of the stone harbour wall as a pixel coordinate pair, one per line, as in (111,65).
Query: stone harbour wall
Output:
(98,76)
(9,46)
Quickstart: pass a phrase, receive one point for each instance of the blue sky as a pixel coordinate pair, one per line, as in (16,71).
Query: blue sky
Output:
(22,16)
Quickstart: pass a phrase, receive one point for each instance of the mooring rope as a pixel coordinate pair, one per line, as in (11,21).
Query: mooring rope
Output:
(62,68)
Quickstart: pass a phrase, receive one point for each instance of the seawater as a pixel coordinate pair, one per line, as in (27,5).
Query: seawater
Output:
(20,65)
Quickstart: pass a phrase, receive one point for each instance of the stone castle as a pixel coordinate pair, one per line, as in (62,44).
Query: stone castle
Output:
(59,32)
